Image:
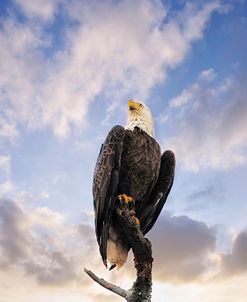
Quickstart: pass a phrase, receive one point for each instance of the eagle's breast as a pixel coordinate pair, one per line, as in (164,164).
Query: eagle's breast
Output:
(140,164)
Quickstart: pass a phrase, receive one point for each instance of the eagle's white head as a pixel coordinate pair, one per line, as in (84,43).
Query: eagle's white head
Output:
(139,115)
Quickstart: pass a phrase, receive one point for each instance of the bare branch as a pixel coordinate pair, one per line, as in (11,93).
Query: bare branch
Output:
(116,289)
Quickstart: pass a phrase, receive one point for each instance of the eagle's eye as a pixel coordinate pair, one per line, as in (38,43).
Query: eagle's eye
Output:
(141,106)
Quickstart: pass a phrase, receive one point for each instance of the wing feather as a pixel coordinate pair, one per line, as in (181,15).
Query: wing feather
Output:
(159,193)
(105,183)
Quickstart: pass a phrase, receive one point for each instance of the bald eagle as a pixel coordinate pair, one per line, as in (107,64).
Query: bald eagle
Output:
(129,167)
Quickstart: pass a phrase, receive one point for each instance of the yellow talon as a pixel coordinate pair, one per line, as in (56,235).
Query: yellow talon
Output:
(136,220)
(125,198)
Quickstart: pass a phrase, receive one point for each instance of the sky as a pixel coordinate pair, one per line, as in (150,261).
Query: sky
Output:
(67,70)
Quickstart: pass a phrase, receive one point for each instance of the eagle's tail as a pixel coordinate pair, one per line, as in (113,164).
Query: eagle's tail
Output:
(117,252)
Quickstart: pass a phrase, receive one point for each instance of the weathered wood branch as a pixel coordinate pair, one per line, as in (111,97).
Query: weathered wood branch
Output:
(142,250)
(115,289)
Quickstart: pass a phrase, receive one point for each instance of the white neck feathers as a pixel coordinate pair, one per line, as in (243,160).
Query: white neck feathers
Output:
(140,122)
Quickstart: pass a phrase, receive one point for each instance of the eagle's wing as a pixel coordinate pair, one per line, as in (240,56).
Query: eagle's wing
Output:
(159,193)
(105,183)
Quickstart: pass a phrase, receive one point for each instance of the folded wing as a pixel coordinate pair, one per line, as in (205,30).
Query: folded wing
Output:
(160,192)
(105,183)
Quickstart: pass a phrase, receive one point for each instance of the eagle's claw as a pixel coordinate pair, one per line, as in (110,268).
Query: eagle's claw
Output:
(136,220)
(125,198)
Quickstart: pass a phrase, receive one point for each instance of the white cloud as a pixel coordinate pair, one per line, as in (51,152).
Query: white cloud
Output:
(8,130)
(44,9)
(194,25)
(208,74)
(195,89)
(19,78)
(44,216)
(209,122)
(184,97)
(6,187)
(5,163)
(117,49)
(162,118)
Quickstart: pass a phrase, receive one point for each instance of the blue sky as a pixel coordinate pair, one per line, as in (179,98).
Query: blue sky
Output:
(67,71)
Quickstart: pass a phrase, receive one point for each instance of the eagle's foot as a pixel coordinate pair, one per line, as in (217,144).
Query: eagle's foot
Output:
(128,203)
(136,220)
(132,212)
(125,198)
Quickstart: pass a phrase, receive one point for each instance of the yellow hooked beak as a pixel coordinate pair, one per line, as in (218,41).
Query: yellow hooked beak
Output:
(134,105)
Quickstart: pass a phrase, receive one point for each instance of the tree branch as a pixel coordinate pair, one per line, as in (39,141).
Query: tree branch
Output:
(142,250)
(115,289)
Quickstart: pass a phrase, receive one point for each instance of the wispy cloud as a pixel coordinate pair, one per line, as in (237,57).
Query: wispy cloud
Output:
(43,9)
(107,49)
(195,89)
(6,187)
(203,197)
(8,128)
(5,164)
(6,184)
(208,74)
(210,119)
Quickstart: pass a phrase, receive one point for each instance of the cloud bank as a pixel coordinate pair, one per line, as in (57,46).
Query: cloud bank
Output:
(181,248)
(44,246)
(236,261)
(39,243)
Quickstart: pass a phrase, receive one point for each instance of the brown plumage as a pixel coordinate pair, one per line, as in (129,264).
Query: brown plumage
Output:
(130,163)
